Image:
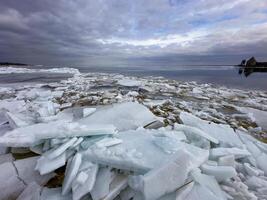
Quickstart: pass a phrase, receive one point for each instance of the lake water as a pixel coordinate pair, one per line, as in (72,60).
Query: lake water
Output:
(224,76)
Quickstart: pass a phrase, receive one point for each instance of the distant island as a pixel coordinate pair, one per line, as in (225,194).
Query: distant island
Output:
(252,65)
(9,63)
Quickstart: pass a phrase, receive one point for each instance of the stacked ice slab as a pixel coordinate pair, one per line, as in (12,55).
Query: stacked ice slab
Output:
(123,151)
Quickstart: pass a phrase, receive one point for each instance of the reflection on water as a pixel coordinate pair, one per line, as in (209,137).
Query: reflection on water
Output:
(249,70)
(252,66)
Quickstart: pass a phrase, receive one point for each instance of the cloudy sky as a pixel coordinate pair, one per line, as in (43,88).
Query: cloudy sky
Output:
(119,32)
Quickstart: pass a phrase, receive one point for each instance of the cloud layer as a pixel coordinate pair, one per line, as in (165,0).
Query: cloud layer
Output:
(112,32)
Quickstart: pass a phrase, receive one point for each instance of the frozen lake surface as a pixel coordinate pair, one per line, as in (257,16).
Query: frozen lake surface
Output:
(217,75)
(223,76)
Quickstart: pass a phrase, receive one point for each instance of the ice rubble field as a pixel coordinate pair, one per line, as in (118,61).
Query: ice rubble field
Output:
(108,136)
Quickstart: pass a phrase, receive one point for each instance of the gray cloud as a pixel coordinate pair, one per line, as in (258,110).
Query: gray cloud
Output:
(116,32)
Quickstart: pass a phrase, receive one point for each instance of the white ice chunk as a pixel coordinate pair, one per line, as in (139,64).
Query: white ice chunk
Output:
(107,142)
(15,121)
(31,135)
(101,187)
(183,192)
(25,168)
(219,172)
(200,192)
(64,115)
(62,148)
(46,165)
(13,106)
(89,141)
(31,192)
(81,189)
(228,160)
(258,155)
(238,153)
(79,180)
(261,162)
(10,184)
(88,111)
(262,146)
(168,145)
(132,94)
(163,132)
(65,105)
(123,116)
(252,171)
(129,82)
(137,152)
(71,172)
(209,182)
(6,158)
(54,194)
(192,130)
(166,178)
(224,133)
(4,150)
(78,142)
(259,115)
(254,182)
(117,185)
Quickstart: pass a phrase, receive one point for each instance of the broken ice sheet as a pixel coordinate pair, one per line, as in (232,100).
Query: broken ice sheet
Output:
(31,192)
(168,145)
(237,152)
(54,194)
(107,142)
(188,130)
(71,172)
(45,165)
(219,172)
(91,140)
(209,182)
(61,149)
(200,192)
(183,192)
(165,178)
(259,115)
(25,168)
(118,184)
(80,188)
(223,133)
(34,134)
(129,82)
(10,184)
(6,158)
(101,187)
(137,152)
(16,121)
(124,116)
